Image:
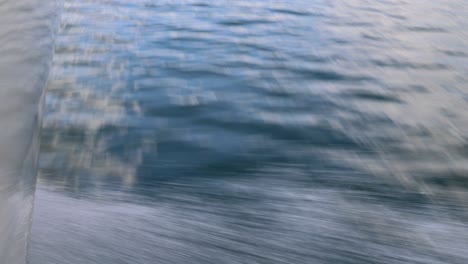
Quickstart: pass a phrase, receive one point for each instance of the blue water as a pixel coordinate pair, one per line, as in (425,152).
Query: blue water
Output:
(257,131)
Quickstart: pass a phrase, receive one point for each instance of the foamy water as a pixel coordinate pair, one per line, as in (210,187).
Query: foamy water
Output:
(26,38)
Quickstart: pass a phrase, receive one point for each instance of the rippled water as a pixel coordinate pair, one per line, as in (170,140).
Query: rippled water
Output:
(199,131)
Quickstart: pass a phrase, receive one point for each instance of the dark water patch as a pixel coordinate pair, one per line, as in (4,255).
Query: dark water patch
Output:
(371,37)
(409,65)
(329,75)
(359,24)
(398,17)
(293,12)
(461,148)
(318,58)
(258,46)
(448,180)
(454,53)
(201,4)
(190,72)
(317,135)
(373,96)
(418,88)
(340,41)
(190,109)
(427,29)
(186,29)
(244,22)
(194,38)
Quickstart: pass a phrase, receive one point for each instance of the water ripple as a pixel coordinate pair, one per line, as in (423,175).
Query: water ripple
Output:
(255,132)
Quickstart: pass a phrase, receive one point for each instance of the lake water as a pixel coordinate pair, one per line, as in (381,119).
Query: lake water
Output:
(255,131)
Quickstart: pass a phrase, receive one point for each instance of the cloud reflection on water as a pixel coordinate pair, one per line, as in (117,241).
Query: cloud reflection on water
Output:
(256,131)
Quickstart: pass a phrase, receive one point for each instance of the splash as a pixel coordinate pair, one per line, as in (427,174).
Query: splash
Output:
(26,37)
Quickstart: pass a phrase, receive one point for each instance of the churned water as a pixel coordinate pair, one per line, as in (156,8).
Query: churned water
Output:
(26,42)
(259,131)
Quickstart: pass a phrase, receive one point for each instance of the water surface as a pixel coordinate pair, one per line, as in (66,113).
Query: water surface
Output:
(255,132)
(26,41)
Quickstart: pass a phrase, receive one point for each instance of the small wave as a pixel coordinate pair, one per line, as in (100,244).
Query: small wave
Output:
(246,22)
(293,12)
(373,96)
(428,29)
